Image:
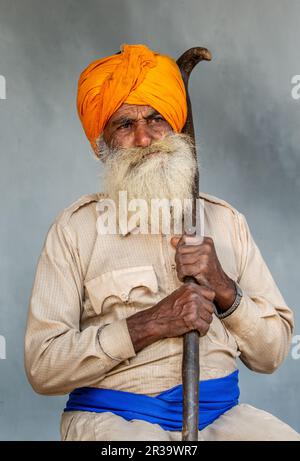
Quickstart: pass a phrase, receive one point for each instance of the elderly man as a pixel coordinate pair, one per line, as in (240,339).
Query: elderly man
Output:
(108,311)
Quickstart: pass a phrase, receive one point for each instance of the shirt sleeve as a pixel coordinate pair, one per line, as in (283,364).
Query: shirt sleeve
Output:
(59,356)
(262,324)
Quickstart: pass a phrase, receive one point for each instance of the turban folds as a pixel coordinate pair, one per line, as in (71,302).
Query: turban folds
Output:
(135,76)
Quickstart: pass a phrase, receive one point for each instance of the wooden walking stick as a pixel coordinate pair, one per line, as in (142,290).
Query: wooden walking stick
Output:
(190,359)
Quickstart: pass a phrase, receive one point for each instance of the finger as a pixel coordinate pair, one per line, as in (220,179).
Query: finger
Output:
(193,318)
(192,258)
(188,240)
(202,249)
(193,270)
(202,327)
(194,295)
(208,306)
(204,291)
(192,239)
(206,316)
(207,292)
(175,241)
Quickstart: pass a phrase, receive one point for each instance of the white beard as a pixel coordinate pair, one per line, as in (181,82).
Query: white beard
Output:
(168,174)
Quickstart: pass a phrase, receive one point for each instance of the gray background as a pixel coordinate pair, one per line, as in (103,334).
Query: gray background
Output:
(247,126)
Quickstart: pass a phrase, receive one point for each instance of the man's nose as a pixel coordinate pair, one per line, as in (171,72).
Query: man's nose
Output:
(142,135)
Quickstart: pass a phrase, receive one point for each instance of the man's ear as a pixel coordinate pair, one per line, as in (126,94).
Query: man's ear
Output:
(102,147)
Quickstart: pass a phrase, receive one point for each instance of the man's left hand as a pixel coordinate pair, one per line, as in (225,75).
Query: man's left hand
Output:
(201,261)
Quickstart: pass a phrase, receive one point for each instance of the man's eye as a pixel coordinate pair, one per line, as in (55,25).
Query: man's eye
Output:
(158,119)
(125,125)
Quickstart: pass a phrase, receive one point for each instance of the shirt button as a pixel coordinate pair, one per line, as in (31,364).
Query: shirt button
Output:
(173,266)
(124,297)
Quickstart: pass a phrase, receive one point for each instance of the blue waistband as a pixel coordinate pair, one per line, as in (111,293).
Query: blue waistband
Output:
(216,397)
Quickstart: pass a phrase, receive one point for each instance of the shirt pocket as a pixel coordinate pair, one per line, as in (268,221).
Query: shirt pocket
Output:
(131,287)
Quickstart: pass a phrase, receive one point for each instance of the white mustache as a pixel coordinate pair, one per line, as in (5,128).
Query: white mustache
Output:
(168,174)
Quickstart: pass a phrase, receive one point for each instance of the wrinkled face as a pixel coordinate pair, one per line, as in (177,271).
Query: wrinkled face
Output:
(135,126)
(145,158)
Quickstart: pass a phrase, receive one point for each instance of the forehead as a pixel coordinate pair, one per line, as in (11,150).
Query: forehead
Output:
(132,111)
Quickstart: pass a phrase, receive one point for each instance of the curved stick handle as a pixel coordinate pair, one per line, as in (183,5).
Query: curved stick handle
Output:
(190,359)
(186,63)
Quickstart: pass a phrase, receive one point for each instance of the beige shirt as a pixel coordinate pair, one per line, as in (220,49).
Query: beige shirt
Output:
(85,280)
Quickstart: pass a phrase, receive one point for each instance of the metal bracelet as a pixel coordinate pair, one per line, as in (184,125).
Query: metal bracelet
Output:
(99,341)
(235,305)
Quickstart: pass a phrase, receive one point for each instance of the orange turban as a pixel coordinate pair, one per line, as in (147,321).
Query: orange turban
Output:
(135,76)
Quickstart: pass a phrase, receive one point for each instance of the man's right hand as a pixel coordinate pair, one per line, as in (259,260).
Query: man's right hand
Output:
(190,307)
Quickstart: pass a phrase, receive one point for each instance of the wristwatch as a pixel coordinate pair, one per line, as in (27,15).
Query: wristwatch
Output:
(235,305)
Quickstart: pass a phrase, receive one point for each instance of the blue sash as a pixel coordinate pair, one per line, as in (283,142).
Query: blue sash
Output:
(216,397)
